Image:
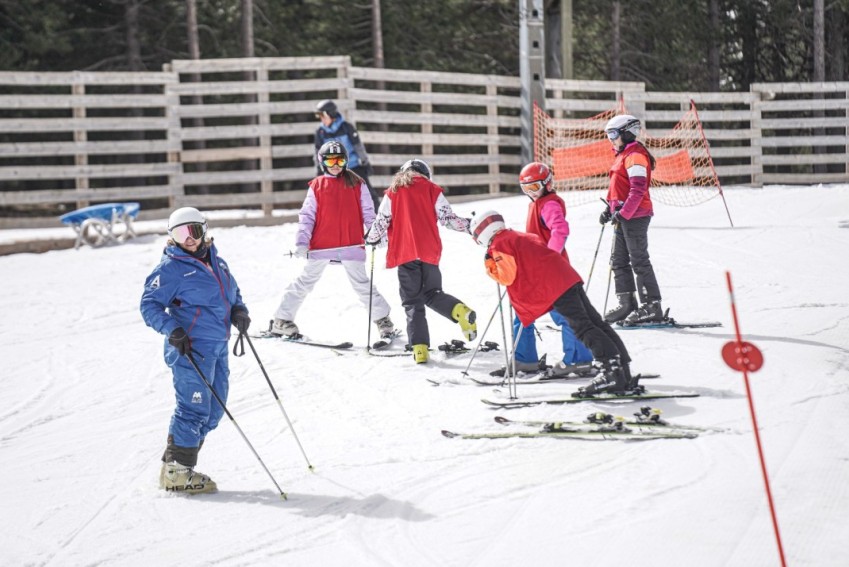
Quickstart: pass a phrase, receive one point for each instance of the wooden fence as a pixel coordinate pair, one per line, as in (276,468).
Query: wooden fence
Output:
(238,133)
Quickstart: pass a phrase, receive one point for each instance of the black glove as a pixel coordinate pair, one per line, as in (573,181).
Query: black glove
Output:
(239,318)
(604,218)
(617,217)
(181,341)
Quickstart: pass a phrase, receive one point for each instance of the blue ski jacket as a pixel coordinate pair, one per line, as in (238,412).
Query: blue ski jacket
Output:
(183,291)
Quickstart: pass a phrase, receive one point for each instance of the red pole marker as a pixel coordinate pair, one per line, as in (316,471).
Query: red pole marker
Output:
(746,357)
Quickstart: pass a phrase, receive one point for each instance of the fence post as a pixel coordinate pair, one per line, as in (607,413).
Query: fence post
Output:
(81,182)
(265,162)
(492,132)
(757,134)
(174,135)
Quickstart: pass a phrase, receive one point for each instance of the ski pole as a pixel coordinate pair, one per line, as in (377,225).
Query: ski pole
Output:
(511,377)
(279,403)
(609,271)
(592,266)
(480,341)
(239,429)
(370,295)
(292,254)
(503,333)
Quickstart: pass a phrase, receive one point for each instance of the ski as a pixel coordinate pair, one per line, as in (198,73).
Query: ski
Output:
(544,378)
(597,434)
(511,404)
(299,339)
(646,418)
(668,323)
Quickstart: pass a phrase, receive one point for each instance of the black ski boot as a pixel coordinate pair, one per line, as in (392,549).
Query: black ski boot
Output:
(627,304)
(649,312)
(614,379)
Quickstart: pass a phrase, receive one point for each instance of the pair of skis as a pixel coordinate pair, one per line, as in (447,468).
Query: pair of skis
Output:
(646,425)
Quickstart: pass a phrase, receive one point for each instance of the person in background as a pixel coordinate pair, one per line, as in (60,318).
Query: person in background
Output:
(331,223)
(408,216)
(539,279)
(630,209)
(192,298)
(334,127)
(546,219)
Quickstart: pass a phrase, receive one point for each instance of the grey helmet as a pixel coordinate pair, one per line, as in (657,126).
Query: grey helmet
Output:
(419,166)
(327,106)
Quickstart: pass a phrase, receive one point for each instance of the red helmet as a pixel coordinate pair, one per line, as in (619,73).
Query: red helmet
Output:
(535,179)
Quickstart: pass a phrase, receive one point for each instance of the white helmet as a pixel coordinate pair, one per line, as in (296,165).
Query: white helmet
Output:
(623,125)
(184,216)
(485,226)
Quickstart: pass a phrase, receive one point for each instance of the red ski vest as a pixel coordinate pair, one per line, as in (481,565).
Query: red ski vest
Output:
(620,183)
(413,232)
(338,214)
(534,274)
(535,224)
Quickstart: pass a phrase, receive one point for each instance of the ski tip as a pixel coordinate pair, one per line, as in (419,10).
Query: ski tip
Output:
(501,420)
(449,434)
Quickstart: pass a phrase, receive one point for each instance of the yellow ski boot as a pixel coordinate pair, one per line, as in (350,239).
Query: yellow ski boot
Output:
(466,318)
(420,354)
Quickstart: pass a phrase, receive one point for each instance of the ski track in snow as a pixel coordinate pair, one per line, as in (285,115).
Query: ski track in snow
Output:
(88,399)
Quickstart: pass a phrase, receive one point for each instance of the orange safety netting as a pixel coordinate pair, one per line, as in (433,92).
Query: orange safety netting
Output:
(581,155)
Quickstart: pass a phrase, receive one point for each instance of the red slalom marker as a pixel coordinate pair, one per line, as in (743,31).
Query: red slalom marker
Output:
(746,357)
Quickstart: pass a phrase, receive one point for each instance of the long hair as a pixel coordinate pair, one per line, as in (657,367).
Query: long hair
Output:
(351,178)
(403,179)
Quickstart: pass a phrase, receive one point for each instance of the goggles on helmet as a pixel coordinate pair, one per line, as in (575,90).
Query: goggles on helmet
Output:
(533,187)
(195,230)
(330,161)
(613,134)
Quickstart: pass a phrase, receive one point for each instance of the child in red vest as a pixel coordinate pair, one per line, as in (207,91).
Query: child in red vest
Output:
(331,222)
(408,216)
(538,280)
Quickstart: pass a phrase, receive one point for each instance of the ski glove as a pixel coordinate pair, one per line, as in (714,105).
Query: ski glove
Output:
(617,217)
(181,341)
(605,217)
(240,319)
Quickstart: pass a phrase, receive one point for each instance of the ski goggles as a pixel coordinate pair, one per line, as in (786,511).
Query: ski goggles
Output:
(330,161)
(181,233)
(612,134)
(533,187)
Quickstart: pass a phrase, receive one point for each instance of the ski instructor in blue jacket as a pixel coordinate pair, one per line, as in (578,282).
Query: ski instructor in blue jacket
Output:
(192,298)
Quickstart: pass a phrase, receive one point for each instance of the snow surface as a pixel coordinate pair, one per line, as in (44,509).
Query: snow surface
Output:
(87,399)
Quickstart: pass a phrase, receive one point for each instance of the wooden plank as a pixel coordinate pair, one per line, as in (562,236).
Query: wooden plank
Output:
(704,115)
(37,149)
(796,123)
(804,178)
(805,105)
(88,171)
(804,141)
(241,200)
(661,97)
(35,101)
(82,77)
(436,118)
(413,97)
(48,196)
(247,63)
(594,86)
(404,138)
(433,77)
(125,123)
(772,88)
(802,159)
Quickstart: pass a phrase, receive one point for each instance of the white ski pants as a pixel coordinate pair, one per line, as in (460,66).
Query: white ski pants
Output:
(301,287)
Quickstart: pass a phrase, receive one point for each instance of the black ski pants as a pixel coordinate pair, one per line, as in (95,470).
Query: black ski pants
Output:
(631,257)
(589,326)
(420,286)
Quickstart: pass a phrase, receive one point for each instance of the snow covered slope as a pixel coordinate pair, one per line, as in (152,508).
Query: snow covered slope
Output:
(87,398)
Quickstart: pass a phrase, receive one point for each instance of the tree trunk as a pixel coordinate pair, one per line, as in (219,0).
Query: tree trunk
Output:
(615,48)
(714,46)
(819,41)
(247,28)
(836,35)
(192,29)
(379,63)
(131,21)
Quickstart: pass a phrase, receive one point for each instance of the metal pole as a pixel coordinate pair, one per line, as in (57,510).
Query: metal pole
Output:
(239,429)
